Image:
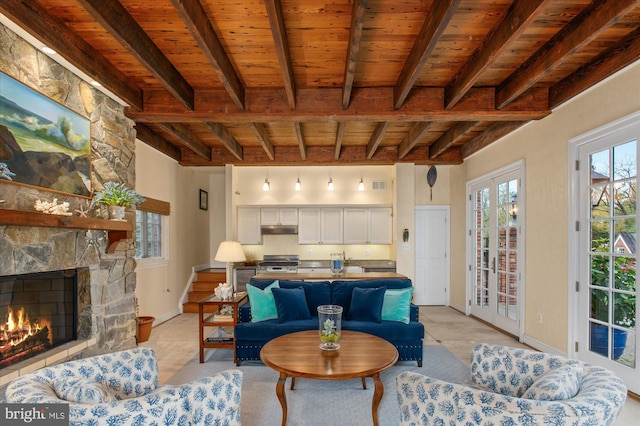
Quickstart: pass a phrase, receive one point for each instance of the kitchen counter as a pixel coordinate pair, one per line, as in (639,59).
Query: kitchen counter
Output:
(321,276)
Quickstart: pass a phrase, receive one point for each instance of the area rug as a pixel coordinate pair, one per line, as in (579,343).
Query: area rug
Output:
(320,402)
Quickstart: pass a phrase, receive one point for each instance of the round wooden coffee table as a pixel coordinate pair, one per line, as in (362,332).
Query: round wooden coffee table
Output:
(299,355)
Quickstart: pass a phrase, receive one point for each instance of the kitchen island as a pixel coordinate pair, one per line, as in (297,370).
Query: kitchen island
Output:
(322,276)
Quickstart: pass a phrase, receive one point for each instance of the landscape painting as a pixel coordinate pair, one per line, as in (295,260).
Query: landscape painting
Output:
(42,143)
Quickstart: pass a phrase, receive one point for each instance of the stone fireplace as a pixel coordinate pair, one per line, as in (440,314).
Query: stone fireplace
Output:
(105,278)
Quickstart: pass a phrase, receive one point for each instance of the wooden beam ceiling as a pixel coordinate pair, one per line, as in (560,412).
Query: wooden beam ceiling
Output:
(363,81)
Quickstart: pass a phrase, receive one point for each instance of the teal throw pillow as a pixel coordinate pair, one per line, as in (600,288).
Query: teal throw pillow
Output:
(291,304)
(397,305)
(263,305)
(366,304)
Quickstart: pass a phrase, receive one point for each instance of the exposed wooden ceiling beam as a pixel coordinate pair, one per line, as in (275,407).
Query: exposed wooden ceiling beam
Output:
(322,156)
(151,138)
(276,21)
(323,105)
(449,138)
(339,136)
(263,137)
(489,136)
(517,19)
(54,33)
(376,138)
(187,138)
(613,59)
(226,139)
(594,18)
(121,25)
(355,35)
(197,21)
(433,27)
(300,137)
(413,138)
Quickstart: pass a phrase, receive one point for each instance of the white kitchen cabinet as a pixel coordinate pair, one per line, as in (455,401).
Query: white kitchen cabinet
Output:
(356,226)
(320,225)
(380,225)
(279,216)
(331,225)
(309,226)
(249,225)
(364,225)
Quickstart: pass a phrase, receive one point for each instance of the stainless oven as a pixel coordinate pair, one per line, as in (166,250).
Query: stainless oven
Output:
(279,263)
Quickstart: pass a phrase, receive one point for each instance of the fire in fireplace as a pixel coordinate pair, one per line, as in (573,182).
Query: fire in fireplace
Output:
(41,313)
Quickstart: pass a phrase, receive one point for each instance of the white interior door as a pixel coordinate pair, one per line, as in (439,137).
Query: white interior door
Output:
(432,259)
(495,249)
(606,212)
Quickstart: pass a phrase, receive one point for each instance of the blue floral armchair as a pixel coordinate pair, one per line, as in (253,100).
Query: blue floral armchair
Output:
(512,386)
(122,388)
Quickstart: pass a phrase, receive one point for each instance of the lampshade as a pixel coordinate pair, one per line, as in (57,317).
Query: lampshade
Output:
(298,185)
(330,185)
(265,185)
(230,251)
(361,185)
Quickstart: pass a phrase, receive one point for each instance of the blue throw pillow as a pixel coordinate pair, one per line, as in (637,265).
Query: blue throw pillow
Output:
(291,304)
(366,304)
(397,305)
(263,305)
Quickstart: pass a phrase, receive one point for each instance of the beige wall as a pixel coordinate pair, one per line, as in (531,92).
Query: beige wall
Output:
(543,145)
(159,288)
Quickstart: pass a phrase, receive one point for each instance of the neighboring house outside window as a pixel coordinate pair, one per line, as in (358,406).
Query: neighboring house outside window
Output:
(152,233)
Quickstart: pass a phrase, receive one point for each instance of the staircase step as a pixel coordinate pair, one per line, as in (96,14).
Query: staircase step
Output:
(212,275)
(195,296)
(209,286)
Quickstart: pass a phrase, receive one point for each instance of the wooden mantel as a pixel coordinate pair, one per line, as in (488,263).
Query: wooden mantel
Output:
(116,230)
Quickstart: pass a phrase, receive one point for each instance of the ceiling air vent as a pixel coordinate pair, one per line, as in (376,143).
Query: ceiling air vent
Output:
(378,185)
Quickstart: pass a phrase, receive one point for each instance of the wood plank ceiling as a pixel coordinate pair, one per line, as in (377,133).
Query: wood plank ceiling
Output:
(314,82)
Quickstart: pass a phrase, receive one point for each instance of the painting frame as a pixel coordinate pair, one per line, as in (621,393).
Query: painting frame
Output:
(204,200)
(43,144)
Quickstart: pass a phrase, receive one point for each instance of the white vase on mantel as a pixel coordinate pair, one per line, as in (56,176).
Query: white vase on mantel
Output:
(116,213)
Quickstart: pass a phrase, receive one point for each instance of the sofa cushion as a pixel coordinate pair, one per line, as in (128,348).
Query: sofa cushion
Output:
(556,384)
(396,305)
(316,292)
(391,331)
(81,390)
(291,304)
(341,290)
(366,304)
(267,330)
(263,305)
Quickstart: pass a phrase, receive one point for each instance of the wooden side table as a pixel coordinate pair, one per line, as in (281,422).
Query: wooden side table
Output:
(235,302)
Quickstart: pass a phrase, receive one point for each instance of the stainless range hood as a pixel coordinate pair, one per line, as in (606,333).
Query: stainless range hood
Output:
(279,229)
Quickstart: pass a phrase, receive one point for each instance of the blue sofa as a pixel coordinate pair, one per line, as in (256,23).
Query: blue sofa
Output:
(251,336)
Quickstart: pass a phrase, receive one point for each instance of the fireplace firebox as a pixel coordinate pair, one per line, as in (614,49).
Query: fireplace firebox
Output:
(37,312)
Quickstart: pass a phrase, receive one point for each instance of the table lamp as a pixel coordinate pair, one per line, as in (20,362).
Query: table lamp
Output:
(230,252)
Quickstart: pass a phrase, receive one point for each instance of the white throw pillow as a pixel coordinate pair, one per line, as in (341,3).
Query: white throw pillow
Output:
(558,384)
(81,390)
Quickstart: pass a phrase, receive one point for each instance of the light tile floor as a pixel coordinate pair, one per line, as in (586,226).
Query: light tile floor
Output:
(176,342)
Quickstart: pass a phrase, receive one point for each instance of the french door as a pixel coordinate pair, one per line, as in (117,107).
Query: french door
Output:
(495,213)
(606,216)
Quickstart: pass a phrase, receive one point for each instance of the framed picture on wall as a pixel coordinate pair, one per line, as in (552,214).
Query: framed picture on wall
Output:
(42,143)
(204,200)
